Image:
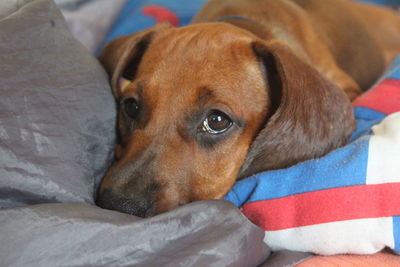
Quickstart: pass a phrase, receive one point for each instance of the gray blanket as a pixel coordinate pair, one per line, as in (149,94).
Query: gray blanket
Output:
(57,132)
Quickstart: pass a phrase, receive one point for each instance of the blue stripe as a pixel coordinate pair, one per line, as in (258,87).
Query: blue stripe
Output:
(366,118)
(346,166)
(362,113)
(396,233)
(394,71)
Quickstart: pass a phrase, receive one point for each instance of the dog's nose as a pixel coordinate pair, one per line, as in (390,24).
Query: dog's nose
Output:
(134,205)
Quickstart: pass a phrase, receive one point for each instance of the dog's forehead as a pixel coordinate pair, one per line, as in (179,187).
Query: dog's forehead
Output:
(213,63)
(208,53)
(199,44)
(204,34)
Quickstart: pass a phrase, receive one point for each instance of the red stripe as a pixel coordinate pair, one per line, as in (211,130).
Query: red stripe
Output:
(161,14)
(331,205)
(385,97)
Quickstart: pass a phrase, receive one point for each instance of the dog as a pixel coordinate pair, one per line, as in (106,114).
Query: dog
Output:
(249,86)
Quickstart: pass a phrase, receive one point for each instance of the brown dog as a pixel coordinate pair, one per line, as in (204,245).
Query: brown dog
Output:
(252,85)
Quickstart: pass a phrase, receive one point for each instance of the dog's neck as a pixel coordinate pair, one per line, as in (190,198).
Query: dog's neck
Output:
(264,32)
(248,24)
(234,17)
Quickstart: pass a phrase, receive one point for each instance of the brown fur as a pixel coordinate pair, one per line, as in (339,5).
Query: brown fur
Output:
(282,75)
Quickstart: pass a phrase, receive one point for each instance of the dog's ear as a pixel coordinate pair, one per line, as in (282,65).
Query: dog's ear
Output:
(121,57)
(308,114)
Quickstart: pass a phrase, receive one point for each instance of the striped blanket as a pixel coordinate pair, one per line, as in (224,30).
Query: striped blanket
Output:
(345,202)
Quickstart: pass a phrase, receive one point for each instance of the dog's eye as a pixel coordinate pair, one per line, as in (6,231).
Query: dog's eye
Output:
(216,122)
(131,107)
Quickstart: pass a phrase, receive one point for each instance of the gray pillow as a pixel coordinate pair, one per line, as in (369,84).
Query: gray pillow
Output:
(57,120)
(57,114)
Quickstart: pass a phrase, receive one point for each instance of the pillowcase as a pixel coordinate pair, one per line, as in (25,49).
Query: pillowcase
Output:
(57,113)
(345,202)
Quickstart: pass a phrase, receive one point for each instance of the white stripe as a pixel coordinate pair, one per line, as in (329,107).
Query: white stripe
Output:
(384,152)
(363,236)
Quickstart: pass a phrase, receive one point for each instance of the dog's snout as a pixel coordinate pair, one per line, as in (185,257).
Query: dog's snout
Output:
(135,204)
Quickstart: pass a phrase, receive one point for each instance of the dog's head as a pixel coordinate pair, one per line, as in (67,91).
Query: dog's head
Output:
(208,104)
